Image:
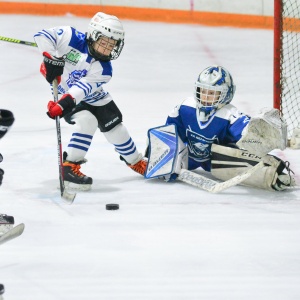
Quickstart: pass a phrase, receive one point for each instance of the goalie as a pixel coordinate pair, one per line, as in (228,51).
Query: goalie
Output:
(208,132)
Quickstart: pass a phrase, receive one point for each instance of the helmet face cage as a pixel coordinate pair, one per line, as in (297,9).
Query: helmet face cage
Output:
(103,25)
(115,53)
(214,88)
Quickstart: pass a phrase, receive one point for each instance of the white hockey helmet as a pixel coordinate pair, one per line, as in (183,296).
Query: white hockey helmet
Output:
(216,83)
(103,25)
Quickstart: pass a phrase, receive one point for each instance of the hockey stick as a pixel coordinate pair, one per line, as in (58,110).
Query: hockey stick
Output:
(11,40)
(64,194)
(213,186)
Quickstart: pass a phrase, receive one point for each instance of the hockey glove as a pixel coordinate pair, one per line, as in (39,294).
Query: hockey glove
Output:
(52,67)
(6,120)
(62,107)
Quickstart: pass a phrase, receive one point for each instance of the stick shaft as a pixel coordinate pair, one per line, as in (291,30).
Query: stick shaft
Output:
(59,146)
(16,41)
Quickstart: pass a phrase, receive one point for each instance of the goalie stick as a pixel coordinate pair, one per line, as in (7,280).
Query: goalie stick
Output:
(69,198)
(213,186)
(12,233)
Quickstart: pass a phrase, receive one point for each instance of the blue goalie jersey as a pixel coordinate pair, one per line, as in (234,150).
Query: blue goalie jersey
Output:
(222,128)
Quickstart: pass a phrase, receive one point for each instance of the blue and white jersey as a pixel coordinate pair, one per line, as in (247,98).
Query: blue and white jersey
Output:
(83,76)
(224,127)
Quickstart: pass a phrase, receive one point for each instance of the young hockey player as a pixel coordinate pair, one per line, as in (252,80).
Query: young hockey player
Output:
(82,65)
(210,131)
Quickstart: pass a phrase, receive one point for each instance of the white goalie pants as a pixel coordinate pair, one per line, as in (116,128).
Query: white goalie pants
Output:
(85,127)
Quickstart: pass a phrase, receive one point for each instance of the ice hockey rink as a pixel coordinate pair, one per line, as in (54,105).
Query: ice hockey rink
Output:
(168,241)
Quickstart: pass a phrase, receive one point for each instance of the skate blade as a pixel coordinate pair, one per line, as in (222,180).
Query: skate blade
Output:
(68,197)
(77,187)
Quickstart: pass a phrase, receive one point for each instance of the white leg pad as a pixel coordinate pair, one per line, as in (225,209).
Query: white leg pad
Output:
(229,162)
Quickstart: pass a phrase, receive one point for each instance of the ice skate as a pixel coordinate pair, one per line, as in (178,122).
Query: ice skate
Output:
(6,223)
(1,291)
(73,178)
(139,167)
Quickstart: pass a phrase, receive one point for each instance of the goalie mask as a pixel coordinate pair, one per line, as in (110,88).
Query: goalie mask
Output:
(214,88)
(105,37)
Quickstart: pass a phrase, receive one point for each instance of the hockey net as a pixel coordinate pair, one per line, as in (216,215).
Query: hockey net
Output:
(287,61)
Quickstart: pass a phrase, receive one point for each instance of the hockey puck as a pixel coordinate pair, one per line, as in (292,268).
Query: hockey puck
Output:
(112,206)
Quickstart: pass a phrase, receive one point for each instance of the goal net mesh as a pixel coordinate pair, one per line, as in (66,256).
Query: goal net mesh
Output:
(290,63)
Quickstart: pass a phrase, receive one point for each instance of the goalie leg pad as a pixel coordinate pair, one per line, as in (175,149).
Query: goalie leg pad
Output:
(228,162)
(167,154)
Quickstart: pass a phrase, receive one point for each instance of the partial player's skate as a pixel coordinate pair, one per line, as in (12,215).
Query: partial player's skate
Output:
(1,291)
(73,177)
(7,231)
(139,167)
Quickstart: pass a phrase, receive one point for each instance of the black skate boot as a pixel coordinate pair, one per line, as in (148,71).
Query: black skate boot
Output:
(6,223)
(73,178)
(1,290)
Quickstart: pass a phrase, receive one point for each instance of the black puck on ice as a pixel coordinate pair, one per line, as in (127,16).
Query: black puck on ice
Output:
(112,206)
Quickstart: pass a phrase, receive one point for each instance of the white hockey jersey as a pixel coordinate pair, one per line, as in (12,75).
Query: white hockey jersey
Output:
(223,127)
(83,76)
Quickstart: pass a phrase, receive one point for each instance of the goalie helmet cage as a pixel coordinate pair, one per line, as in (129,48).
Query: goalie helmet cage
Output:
(287,61)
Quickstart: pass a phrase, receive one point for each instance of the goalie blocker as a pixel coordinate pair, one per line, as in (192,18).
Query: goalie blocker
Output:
(168,155)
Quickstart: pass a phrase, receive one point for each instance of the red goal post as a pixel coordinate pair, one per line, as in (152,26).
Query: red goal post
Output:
(287,61)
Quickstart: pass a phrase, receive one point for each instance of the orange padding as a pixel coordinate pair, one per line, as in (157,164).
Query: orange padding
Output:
(141,14)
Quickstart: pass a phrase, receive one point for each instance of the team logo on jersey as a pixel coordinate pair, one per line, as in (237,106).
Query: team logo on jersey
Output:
(75,76)
(72,57)
(199,145)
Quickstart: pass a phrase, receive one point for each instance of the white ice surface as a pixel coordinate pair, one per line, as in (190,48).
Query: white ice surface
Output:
(168,241)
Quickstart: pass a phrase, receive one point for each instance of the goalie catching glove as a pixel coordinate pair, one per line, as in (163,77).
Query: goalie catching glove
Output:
(62,107)
(52,67)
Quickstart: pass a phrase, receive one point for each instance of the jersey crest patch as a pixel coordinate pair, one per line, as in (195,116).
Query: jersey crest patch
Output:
(75,76)
(199,145)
